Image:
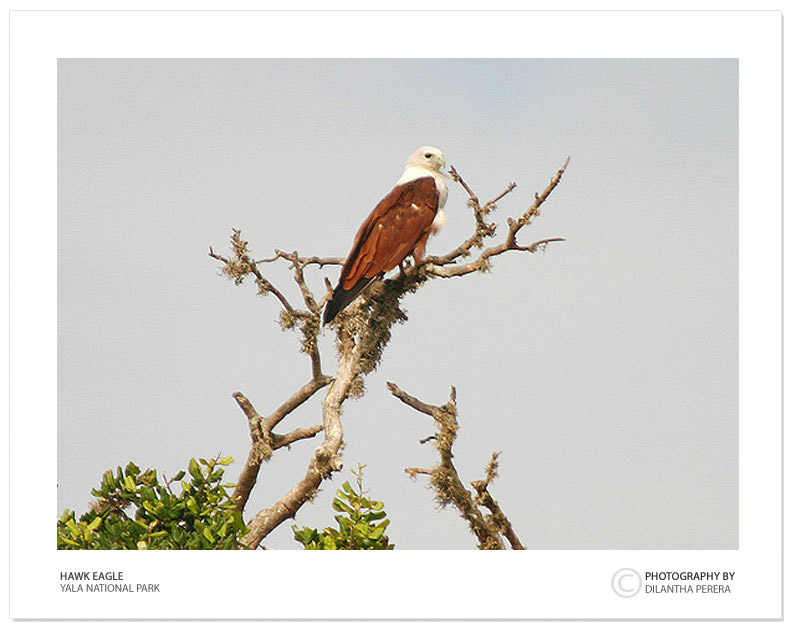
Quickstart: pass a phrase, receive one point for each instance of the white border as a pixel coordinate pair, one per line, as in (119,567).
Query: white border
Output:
(535,584)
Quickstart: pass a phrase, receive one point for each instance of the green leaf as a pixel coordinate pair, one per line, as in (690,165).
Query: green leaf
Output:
(378,531)
(73,528)
(108,481)
(208,535)
(341,506)
(329,543)
(226,460)
(195,470)
(362,527)
(129,484)
(146,493)
(95,523)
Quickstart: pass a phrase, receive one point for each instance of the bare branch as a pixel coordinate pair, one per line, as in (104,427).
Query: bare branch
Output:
(444,477)
(534,209)
(297,266)
(327,260)
(326,458)
(494,200)
(242,264)
(298,434)
(471,194)
(439,265)
(542,244)
(265,286)
(484,498)
(294,401)
(260,450)
(446,481)
(222,259)
(321,261)
(412,401)
(247,408)
(263,441)
(310,320)
(482,229)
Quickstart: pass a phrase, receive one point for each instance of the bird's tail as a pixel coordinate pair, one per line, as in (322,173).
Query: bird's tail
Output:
(342,297)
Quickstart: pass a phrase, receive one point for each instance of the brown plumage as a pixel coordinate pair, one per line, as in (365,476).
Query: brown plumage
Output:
(398,226)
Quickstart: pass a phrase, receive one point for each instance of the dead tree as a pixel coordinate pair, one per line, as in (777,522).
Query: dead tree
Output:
(449,490)
(362,332)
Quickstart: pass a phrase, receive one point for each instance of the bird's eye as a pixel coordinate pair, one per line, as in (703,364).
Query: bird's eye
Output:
(428,155)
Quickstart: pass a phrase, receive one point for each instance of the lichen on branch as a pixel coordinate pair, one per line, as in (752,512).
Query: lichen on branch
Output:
(445,480)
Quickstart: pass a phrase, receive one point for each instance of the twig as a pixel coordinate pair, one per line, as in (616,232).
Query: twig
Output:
(305,261)
(497,198)
(456,177)
(212,254)
(542,244)
(298,434)
(269,287)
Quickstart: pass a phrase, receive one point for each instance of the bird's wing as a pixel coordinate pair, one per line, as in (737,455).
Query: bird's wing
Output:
(391,231)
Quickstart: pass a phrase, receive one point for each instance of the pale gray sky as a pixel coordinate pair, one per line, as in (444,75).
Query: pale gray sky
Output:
(605,370)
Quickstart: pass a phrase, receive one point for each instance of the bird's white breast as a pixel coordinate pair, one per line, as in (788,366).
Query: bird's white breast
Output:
(417,172)
(439,221)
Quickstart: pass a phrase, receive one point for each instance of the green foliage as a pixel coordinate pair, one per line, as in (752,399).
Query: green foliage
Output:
(361,521)
(200,516)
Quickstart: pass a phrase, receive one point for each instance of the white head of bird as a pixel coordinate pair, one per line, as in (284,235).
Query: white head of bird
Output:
(430,158)
(427,161)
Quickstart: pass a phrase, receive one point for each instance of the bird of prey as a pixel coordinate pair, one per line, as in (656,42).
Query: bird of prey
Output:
(398,226)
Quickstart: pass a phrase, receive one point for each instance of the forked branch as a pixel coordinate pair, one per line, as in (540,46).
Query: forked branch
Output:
(264,441)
